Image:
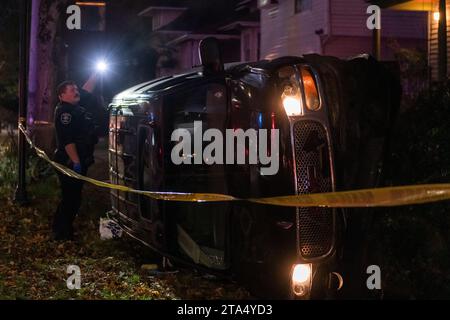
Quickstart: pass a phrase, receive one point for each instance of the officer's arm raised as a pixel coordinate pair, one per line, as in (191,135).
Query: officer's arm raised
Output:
(90,84)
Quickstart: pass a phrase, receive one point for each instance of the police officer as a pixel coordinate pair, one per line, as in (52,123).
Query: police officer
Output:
(75,139)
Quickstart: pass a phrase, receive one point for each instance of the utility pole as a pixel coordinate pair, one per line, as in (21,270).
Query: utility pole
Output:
(376,43)
(20,196)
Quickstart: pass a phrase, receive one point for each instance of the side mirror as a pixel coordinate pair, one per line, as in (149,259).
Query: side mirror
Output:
(210,56)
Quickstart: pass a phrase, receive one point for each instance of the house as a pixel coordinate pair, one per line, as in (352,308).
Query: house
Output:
(178,29)
(265,29)
(430,8)
(335,27)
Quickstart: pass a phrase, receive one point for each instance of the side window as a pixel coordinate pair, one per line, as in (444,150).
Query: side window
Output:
(216,105)
(207,103)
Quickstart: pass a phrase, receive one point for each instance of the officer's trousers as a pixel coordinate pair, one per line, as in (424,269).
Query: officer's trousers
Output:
(68,206)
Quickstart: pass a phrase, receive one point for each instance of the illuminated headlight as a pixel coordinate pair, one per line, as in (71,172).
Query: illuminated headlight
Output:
(292,103)
(301,279)
(292,106)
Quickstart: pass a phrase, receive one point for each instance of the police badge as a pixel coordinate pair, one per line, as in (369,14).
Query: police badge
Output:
(66,118)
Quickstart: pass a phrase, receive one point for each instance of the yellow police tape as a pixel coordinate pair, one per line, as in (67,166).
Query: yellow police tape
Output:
(378,197)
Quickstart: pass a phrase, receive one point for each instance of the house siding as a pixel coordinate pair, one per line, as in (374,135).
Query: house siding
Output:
(163,17)
(433,49)
(249,44)
(285,32)
(348,17)
(343,23)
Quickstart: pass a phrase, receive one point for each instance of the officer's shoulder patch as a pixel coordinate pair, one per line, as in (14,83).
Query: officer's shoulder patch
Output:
(66,118)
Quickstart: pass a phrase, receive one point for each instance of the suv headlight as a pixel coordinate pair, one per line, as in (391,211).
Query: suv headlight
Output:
(291,102)
(301,279)
(300,91)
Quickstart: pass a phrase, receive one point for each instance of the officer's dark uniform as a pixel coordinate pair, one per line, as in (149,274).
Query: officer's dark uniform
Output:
(73,124)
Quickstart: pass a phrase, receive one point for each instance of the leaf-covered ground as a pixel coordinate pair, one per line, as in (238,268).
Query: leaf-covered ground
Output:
(33,267)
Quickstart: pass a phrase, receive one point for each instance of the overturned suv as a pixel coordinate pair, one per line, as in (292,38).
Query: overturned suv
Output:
(333,119)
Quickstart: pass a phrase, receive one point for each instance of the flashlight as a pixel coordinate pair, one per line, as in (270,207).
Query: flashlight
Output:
(101,66)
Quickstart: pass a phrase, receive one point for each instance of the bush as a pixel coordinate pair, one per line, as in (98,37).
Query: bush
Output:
(413,242)
(422,139)
(36,168)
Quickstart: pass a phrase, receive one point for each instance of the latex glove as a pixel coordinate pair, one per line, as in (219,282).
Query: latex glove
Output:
(77,168)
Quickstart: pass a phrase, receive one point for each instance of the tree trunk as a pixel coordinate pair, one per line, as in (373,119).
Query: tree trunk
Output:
(45,19)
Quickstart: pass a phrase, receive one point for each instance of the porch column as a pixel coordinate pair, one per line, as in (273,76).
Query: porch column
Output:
(376,43)
(442,41)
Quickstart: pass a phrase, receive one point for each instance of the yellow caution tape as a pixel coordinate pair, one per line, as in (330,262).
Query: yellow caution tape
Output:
(376,197)
(170,196)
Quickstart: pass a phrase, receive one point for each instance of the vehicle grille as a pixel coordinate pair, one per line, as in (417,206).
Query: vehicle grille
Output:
(314,225)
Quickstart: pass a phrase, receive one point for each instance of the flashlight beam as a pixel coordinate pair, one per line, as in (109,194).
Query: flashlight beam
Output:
(101,66)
